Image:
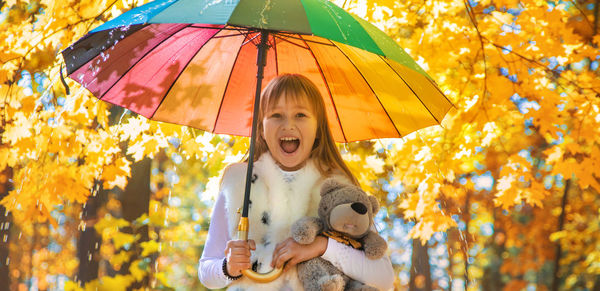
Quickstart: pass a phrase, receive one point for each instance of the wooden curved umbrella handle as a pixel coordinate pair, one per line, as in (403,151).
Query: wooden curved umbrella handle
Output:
(255,276)
(262,278)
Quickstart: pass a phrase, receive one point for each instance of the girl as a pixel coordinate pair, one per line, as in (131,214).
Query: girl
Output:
(294,154)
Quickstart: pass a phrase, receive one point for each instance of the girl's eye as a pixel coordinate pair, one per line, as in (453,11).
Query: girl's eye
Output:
(275,115)
(300,115)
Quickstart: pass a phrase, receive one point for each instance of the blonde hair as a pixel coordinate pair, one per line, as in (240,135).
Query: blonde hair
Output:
(325,153)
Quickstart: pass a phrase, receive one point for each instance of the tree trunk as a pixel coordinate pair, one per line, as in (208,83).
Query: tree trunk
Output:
(135,201)
(561,222)
(89,242)
(465,247)
(492,278)
(5,223)
(597,284)
(420,270)
(451,239)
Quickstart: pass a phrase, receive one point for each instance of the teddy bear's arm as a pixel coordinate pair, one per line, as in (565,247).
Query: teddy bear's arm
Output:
(374,245)
(306,229)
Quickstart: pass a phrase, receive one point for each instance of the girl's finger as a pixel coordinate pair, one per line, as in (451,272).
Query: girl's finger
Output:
(284,257)
(234,245)
(238,259)
(235,267)
(290,264)
(239,266)
(252,244)
(278,247)
(276,255)
(240,251)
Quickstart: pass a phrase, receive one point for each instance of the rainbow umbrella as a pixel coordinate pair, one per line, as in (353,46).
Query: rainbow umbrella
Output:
(198,63)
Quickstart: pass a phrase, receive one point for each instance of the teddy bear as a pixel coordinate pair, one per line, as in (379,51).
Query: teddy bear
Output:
(346,214)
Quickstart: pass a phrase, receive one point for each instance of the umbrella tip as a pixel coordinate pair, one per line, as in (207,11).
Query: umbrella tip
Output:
(62,80)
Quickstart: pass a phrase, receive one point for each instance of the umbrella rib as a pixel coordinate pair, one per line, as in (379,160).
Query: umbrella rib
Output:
(179,75)
(411,89)
(438,89)
(302,39)
(276,62)
(230,35)
(226,86)
(250,40)
(375,94)
(133,65)
(214,27)
(328,89)
(283,39)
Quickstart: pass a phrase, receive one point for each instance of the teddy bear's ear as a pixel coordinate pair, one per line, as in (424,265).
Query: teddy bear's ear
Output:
(374,204)
(330,185)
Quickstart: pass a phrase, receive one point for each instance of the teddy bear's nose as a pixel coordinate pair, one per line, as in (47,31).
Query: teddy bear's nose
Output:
(359,207)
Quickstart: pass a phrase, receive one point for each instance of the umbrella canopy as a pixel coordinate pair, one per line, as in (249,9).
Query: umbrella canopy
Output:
(193,62)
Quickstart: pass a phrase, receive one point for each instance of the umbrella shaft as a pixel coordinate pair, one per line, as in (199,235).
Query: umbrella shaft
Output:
(260,62)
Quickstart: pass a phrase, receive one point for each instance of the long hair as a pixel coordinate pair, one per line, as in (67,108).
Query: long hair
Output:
(324,151)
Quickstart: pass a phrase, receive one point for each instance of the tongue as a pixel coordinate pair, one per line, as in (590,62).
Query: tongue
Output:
(290,146)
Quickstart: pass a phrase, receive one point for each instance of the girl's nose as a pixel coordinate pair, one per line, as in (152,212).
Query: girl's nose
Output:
(288,122)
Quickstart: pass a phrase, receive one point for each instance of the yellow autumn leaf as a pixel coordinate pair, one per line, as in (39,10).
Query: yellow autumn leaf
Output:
(116,174)
(133,128)
(147,146)
(157,213)
(116,283)
(508,194)
(121,239)
(554,153)
(90,9)
(72,286)
(556,236)
(503,17)
(135,270)
(110,222)
(586,177)
(93,285)
(120,258)
(565,167)
(162,278)
(19,129)
(7,157)
(149,247)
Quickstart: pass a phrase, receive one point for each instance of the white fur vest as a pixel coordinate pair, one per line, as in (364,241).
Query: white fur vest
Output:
(275,204)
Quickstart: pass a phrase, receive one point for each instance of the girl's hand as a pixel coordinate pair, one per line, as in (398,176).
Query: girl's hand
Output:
(293,253)
(237,253)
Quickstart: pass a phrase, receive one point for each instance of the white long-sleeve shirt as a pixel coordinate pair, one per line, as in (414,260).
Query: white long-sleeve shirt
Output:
(352,262)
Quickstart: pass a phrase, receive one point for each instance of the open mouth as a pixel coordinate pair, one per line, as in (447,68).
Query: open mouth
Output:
(289,144)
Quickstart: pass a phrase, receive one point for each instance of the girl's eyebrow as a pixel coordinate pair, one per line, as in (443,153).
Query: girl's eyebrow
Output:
(301,106)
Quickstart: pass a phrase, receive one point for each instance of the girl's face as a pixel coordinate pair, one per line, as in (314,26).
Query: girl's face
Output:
(289,128)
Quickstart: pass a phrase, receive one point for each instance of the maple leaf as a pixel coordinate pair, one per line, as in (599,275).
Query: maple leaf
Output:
(19,129)
(117,283)
(121,239)
(149,247)
(535,194)
(110,223)
(508,194)
(116,174)
(135,270)
(120,258)
(554,154)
